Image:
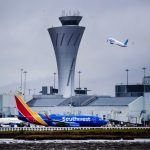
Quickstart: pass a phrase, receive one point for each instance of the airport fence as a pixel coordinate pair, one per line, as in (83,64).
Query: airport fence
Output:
(64,128)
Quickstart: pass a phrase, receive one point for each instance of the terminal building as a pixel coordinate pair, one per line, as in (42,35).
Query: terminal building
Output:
(125,108)
(133,90)
(131,103)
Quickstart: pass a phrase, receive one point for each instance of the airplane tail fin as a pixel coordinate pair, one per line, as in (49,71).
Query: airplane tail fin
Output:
(126,42)
(26,112)
(23,108)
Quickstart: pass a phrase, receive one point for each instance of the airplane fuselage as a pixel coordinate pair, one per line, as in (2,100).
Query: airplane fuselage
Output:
(72,120)
(28,115)
(10,120)
(116,42)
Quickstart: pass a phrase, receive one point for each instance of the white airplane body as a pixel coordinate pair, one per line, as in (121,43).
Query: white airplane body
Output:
(116,42)
(9,120)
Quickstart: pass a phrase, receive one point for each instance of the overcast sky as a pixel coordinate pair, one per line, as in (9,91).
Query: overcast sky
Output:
(25,42)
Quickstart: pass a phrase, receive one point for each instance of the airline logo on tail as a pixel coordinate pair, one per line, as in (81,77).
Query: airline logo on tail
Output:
(27,113)
(126,42)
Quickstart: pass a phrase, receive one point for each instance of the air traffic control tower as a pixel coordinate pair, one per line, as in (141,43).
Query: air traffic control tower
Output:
(66,40)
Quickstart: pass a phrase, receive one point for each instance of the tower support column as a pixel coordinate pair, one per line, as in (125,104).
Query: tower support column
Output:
(66,40)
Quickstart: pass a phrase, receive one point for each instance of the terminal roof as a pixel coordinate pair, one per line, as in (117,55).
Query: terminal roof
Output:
(113,101)
(80,100)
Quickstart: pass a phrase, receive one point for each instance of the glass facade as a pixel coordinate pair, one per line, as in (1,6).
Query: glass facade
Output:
(131,90)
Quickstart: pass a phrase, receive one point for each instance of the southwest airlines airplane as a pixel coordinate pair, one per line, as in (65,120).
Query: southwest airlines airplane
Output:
(26,114)
(114,41)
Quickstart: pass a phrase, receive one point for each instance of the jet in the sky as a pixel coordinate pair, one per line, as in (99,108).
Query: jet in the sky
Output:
(26,114)
(114,41)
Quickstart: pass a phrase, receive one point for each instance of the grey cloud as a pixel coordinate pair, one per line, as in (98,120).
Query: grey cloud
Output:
(24,41)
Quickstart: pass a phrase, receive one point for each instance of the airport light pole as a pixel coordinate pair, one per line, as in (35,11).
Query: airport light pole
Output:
(54,79)
(29,91)
(127,70)
(144,71)
(25,78)
(79,72)
(21,80)
(34,91)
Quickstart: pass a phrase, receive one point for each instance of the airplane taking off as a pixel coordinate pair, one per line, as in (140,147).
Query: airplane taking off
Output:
(114,41)
(26,114)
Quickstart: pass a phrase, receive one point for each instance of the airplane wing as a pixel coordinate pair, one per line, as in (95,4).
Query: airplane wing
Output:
(66,124)
(60,123)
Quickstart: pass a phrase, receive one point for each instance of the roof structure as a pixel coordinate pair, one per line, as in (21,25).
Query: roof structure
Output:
(45,101)
(79,101)
(112,101)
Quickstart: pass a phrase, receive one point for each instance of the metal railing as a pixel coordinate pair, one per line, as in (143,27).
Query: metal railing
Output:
(64,128)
